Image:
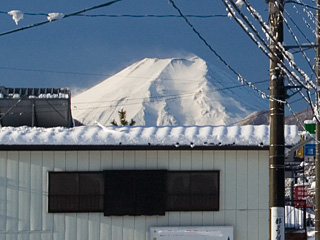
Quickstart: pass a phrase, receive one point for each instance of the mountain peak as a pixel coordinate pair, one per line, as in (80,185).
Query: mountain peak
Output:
(172,91)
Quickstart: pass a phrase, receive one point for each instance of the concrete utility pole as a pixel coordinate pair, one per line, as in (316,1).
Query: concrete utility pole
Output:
(276,151)
(317,157)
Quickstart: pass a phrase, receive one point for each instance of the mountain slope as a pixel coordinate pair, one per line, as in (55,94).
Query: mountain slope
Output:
(263,117)
(168,92)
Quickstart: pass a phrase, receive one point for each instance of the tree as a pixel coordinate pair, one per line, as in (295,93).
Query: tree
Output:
(123,119)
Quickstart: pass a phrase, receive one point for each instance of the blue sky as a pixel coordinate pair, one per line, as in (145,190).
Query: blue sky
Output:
(78,52)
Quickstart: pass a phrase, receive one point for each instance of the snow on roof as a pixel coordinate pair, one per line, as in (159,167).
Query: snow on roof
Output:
(140,135)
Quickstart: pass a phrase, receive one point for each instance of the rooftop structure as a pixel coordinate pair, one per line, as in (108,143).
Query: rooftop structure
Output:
(41,107)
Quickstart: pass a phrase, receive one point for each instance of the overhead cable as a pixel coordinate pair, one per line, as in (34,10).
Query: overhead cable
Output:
(131,15)
(310,15)
(244,27)
(296,25)
(297,42)
(65,16)
(282,65)
(167,96)
(302,4)
(288,73)
(280,48)
(240,78)
(97,74)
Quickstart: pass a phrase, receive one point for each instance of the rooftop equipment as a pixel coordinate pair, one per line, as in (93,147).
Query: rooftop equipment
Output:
(35,107)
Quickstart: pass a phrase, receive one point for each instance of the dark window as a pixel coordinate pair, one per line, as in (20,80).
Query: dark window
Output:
(139,192)
(192,191)
(76,191)
(119,193)
(134,192)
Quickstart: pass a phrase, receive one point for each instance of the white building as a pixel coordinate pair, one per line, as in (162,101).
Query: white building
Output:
(37,163)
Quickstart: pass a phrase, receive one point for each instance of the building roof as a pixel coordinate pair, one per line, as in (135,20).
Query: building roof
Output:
(165,136)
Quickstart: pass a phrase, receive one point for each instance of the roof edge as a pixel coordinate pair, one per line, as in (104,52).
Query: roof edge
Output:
(124,147)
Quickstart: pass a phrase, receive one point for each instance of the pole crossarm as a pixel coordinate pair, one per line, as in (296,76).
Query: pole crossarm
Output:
(304,46)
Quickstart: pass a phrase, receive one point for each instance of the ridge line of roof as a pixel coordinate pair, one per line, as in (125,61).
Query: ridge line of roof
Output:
(28,147)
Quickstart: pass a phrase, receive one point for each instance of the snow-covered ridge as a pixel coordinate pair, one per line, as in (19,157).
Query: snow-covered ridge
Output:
(164,136)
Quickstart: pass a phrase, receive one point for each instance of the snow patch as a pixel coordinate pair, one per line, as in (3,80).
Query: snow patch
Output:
(16,15)
(54,16)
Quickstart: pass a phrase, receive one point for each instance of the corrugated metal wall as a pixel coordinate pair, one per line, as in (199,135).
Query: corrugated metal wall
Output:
(244,194)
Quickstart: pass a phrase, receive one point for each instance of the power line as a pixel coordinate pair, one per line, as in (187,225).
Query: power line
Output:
(170,97)
(240,78)
(152,16)
(52,71)
(299,99)
(302,4)
(296,40)
(65,16)
(296,25)
(296,117)
(244,27)
(310,15)
(131,15)
(280,47)
(308,99)
(130,101)
(31,14)
(94,74)
(258,18)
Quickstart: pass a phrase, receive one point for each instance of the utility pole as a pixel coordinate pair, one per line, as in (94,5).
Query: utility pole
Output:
(317,157)
(276,151)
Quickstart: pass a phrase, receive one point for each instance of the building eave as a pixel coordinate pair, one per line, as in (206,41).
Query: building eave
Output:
(125,147)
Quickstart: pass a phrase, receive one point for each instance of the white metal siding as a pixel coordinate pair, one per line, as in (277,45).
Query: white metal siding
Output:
(244,194)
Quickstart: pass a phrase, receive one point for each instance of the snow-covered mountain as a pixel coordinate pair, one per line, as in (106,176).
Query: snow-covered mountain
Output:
(263,117)
(168,92)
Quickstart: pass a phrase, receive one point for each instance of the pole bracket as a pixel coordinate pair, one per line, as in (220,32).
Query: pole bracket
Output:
(286,88)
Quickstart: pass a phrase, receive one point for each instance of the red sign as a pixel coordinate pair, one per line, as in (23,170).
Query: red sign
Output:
(300,197)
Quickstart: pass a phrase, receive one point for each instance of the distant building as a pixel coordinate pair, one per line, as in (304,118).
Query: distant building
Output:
(35,107)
